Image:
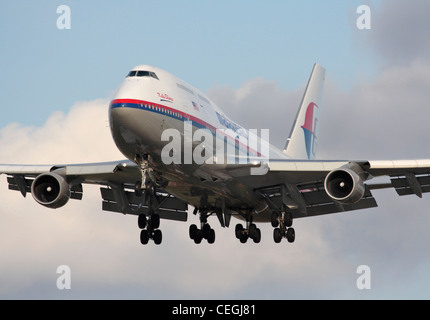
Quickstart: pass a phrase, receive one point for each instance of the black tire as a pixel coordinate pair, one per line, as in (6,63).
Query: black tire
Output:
(238,231)
(252,231)
(257,237)
(142,221)
(193,231)
(211,238)
(288,219)
(291,235)
(158,236)
(154,221)
(206,231)
(277,235)
(144,237)
(274,220)
(198,238)
(243,238)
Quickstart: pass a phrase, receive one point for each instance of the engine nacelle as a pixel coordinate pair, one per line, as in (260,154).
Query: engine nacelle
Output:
(50,190)
(344,186)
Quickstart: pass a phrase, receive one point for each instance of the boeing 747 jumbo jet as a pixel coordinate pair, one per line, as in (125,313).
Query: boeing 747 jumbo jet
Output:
(184,150)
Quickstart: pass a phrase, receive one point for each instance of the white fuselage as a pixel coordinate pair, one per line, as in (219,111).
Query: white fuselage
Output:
(151,101)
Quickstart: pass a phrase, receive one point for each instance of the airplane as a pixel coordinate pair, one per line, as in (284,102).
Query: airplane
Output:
(182,150)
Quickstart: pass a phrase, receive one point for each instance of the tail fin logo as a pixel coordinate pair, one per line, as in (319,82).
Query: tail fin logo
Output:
(310,129)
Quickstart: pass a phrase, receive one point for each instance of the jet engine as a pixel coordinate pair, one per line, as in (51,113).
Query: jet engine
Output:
(344,185)
(50,190)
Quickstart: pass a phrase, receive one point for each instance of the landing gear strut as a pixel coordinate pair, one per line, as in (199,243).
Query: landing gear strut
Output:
(282,225)
(205,230)
(251,231)
(149,226)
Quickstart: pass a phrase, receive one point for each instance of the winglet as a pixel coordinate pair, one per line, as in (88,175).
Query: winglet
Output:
(302,141)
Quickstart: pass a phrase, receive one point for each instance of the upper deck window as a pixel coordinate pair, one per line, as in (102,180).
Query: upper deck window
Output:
(142,73)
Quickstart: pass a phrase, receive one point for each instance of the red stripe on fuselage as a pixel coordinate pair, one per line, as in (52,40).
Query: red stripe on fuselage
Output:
(185,116)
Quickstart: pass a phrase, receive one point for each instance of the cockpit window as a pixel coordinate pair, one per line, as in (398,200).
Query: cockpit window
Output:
(142,73)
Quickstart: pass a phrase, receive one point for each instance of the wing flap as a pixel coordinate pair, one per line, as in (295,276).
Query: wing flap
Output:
(23,184)
(117,199)
(164,213)
(364,203)
(318,203)
(411,184)
(316,200)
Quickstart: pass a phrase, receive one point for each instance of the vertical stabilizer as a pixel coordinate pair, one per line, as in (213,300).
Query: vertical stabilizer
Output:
(302,141)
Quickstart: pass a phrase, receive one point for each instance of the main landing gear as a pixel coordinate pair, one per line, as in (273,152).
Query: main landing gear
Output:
(282,225)
(251,231)
(205,231)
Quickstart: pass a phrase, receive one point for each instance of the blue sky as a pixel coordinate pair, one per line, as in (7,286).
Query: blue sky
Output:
(204,42)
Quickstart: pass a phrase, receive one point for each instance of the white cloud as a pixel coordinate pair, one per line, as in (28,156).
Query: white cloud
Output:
(276,108)
(400,31)
(81,135)
(384,118)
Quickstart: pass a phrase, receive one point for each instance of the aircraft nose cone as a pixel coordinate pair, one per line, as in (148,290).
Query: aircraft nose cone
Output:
(122,114)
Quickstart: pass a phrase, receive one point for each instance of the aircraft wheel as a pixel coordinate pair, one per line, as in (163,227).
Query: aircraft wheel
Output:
(257,237)
(274,219)
(198,238)
(291,235)
(277,235)
(158,236)
(243,238)
(154,221)
(206,231)
(211,238)
(288,219)
(193,231)
(142,221)
(144,237)
(252,231)
(239,231)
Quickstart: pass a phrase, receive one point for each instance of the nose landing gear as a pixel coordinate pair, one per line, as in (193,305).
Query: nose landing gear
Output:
(146,187)
(151,232)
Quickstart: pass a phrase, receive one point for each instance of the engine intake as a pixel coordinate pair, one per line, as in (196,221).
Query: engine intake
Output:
(50,190)
(344,186)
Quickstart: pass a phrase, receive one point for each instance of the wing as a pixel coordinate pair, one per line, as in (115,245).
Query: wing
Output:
(305,187)
(309,188)
(53,186)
